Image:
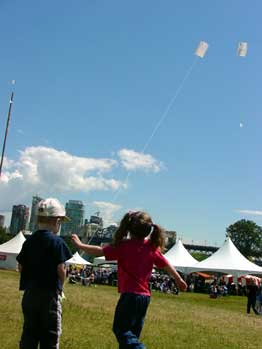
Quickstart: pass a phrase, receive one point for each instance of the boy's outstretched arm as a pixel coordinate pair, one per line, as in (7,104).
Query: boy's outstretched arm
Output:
(174,274)
(89,249)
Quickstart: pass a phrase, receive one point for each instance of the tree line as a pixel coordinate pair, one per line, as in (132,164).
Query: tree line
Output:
(247,237)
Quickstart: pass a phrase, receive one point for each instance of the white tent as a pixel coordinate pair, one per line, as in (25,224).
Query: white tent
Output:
(102,260)
(77,259)
(9,251)
(180,258)
(227,260)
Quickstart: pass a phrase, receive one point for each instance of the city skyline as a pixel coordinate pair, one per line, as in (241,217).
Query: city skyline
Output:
(32,213)
(94,217)
(113,108)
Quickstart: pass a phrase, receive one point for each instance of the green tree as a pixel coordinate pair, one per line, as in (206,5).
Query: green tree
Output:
(247,237)
(199,256)
(3,235)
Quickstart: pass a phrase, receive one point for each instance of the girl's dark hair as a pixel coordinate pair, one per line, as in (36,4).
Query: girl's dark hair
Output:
(139,224)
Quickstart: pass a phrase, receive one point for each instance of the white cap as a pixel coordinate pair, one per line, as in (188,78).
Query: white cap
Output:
(51,208)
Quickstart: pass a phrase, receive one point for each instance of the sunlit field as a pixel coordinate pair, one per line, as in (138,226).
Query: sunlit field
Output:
(184,321)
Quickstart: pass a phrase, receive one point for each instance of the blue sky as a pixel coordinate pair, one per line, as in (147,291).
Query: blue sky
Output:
(93,79)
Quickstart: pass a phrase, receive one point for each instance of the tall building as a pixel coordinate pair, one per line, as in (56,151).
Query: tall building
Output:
(96,220)
(2,220)
(75,211)
(93,227)
(33,217)
(19,219)
(89,230)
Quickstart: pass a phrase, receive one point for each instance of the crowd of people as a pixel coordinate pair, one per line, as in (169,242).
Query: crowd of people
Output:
(91,275)
(162,282)
(108,276)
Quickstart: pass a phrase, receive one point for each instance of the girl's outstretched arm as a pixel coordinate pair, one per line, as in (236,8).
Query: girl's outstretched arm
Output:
(174,274)
(89,249)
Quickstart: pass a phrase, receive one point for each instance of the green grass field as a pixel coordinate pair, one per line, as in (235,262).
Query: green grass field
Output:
(185,321)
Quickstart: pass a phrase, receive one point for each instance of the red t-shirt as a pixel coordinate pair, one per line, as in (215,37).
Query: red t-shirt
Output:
(136,258)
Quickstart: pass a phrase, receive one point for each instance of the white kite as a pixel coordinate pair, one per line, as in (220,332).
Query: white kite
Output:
(201,49)
(242,49)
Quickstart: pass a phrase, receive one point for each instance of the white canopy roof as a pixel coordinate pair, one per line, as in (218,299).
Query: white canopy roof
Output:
(228,260)
(14,245)
(77,259)
(102,260)
(180,258)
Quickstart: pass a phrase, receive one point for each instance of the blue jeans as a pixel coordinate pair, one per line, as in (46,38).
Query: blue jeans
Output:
(129,319)
(42,320)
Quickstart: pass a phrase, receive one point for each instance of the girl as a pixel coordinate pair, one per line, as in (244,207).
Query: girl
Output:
(136,257)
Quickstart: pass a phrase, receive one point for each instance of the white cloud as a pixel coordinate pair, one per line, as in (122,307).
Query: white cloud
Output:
(107,210)
(47,171)
(7,164)
(132,160)
(251,212)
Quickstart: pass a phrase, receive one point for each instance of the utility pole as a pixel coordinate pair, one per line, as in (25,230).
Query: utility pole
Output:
(6,131)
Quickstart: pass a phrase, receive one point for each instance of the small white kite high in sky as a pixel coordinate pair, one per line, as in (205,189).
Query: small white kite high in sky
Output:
(242,49)
(201,49)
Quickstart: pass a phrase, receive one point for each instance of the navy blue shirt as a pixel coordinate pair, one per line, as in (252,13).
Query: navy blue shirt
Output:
(40,255)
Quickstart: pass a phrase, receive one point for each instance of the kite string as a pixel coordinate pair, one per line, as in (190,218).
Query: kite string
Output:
(163,116)
(158,124)
(170,104)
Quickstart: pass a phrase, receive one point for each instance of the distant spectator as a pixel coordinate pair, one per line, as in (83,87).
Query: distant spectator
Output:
(213,290)
(252,290)
(259,300)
